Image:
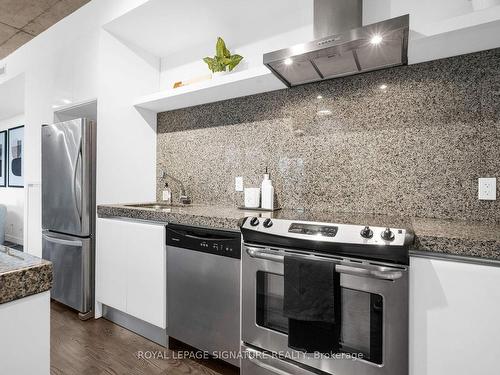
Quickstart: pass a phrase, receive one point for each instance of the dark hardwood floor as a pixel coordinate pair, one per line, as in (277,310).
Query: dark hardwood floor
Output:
(101,347)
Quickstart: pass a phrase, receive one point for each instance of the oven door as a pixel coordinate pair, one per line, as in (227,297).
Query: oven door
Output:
(374,313)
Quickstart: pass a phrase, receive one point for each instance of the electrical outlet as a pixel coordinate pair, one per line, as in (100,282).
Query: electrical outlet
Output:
(487,189)
(238,183)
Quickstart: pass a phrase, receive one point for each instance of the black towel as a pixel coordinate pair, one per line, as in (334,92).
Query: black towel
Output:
(312,305)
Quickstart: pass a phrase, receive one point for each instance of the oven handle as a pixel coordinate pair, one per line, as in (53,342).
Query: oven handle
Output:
(377,272)
(274,365)
(372,271)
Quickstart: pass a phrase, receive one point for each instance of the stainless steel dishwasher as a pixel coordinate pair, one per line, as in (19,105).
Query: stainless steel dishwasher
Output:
(203,289)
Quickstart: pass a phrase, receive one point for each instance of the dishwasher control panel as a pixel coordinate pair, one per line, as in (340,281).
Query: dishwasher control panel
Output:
(211,241)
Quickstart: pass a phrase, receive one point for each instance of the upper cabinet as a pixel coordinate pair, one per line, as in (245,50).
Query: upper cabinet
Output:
(177,35)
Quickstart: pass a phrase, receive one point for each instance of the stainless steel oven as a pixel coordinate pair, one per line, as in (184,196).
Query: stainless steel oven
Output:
(373,289)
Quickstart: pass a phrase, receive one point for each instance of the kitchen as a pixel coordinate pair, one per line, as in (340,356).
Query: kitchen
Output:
(384,179)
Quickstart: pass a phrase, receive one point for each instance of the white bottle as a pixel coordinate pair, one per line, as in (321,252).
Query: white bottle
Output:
(166,194)
(267,193)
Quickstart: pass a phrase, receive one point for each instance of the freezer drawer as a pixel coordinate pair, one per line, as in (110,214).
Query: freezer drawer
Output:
(68,167)
(72,264)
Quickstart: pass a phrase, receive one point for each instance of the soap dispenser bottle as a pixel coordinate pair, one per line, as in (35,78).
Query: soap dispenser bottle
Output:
(167,194)
(267,193)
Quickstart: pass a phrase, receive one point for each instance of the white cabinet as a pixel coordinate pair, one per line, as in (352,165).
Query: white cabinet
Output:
(25,335)
(131,268)
(454,318)
(111,263)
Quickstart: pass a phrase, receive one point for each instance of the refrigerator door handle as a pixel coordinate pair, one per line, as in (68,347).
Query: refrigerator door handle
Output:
(62,241)
(73,186)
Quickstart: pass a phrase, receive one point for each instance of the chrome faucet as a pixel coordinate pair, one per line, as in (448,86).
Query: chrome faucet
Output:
(183,197)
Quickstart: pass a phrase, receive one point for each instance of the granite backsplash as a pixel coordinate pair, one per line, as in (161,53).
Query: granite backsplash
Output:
(413,148)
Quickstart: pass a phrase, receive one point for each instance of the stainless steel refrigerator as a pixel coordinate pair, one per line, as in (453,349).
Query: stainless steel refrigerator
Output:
(68,211)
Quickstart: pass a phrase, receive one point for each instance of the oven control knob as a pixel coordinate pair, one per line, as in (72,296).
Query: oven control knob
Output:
(268,223)
(254,221)
(387,234)
(366,232)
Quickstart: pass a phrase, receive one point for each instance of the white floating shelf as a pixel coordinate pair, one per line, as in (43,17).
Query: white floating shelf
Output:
(234,85)
(473,32)
(472,19)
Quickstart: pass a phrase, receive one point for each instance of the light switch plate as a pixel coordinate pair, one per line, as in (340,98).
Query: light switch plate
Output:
(487,188)
(238,183)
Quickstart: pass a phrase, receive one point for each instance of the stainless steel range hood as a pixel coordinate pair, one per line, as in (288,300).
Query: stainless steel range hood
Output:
(343,46)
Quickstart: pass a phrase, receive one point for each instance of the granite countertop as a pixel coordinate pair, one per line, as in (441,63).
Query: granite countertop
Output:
(463,238)
(436,236)
(22,275)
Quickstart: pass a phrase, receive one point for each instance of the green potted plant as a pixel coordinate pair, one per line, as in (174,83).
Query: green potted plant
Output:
(223,61)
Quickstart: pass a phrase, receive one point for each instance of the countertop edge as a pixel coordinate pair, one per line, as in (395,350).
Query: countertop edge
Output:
(455,258)
(24,282)
(436,245)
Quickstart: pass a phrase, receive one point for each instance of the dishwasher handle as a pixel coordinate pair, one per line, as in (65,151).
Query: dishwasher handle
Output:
(203,237)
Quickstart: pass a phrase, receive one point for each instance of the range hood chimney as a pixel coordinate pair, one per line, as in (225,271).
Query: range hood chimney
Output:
(342,46)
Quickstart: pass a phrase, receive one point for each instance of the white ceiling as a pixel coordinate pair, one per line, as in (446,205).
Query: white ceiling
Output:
(192,23)
(12,97)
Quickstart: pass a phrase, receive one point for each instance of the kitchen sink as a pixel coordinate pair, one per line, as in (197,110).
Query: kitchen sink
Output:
(157,206)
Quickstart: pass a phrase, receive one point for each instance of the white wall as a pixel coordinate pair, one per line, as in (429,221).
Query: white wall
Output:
(187,65)
(13,198)
(61,66)
(12,97)
(430,11)
(126,138)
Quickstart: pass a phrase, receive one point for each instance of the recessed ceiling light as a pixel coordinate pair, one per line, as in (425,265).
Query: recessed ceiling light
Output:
(382,87)
(376,39)
(288,61)
(319,97)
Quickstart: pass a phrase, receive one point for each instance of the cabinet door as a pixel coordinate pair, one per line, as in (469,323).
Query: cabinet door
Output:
(131,268)
(454,318)
(111,262)
(146,270)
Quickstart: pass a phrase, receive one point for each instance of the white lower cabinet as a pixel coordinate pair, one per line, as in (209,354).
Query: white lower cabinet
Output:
(131,268)
(25,336)
(454,318)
